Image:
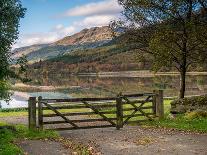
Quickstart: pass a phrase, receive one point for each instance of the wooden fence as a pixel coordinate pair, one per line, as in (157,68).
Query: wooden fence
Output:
(117,111)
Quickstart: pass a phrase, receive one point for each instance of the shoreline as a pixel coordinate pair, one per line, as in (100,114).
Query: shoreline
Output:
(137,74)
(26,87)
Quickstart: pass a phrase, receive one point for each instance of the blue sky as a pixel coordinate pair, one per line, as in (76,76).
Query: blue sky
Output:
(49,20)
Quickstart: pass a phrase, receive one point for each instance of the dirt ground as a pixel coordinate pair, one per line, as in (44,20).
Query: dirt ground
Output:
(131,140)
(37,147)
(134,140)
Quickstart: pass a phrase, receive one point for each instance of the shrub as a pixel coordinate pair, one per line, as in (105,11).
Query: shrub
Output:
(196,114)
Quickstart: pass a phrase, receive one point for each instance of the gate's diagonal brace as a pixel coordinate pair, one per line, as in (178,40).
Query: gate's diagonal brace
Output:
(134,112)
(147,99)
(140,110)
(145,114)
(61,115)
(128,118)
(137,109)
(97,112)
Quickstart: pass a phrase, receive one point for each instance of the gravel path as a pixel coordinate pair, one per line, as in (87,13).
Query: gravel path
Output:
(131,140)
(138,141)
(37,147)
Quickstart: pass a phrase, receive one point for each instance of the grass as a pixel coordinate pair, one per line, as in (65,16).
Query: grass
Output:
(9,137)
(180,122)
(7,114)
(24,112)
(6,145)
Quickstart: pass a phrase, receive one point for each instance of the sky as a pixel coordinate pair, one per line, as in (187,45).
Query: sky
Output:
(46,21)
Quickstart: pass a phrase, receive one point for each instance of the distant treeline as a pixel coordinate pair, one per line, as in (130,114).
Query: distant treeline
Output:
(106,58)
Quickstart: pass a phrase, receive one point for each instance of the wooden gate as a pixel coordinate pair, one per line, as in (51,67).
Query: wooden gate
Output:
(86,113)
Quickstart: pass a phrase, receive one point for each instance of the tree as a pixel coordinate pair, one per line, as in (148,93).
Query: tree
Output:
(10,13)
(173,31)
(22,63)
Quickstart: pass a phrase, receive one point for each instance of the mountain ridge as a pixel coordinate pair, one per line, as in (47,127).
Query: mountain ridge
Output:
(91,35)
(86,38)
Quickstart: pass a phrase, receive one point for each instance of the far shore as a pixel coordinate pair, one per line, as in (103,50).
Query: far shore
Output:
(143,73)
(25,87)
(132,74)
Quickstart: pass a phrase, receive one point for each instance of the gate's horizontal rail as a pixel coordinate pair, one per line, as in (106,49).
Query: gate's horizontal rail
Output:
(97,105)
(101,104)
(137,101)
(79,121)
(83,127)
(94,99)
(93,113)
(79,107)
(80,113)
(81,103)
(129,109)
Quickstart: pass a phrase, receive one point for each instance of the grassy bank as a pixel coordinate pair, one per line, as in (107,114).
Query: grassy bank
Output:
(181,123)
(191,121)
(13,112)
(8,138)
(24,112)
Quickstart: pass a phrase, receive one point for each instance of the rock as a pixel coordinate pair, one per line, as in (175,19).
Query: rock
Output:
(171,116)
(180,106)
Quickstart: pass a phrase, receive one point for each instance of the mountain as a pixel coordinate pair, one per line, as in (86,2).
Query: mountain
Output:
(18,52)
(92,35)
(85,39)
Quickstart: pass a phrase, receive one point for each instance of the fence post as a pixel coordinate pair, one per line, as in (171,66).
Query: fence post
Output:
(119,113)
(40,113)
(159,104)
(154,102)
(32,113)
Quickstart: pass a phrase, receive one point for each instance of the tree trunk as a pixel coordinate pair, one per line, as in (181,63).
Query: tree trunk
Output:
(182,83)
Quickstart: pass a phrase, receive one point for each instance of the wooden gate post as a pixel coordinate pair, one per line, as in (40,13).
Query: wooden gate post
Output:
(40,113)
(158,103)
(154,102)
(32,113)
(119,113)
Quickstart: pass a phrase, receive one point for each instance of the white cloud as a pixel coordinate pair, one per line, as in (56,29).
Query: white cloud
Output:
(37,38)
(98,20)
(94,14)
(99,8)
(56,33)
(62,31)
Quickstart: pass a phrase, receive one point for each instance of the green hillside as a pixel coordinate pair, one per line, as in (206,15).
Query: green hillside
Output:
(105,58)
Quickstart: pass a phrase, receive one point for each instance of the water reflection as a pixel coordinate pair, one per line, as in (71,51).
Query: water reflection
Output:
(110,86)
(86,86)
